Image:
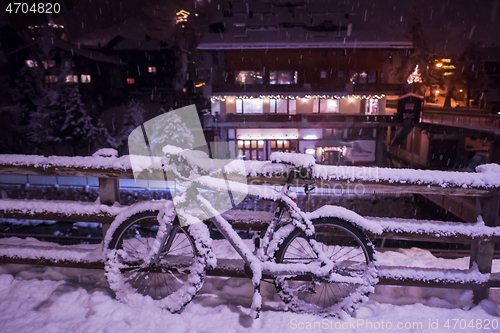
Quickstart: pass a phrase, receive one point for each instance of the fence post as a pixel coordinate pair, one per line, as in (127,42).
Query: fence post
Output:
(109,193)
(482,250)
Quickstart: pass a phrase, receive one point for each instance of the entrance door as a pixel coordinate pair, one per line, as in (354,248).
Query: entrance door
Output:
(331,157)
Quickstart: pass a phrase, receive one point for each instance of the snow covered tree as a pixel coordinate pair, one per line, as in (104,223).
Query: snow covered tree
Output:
(132,117)
(60,116)
(11,112)
(166,129)
(419,56)
(470,72)
(57,116)
(170,129)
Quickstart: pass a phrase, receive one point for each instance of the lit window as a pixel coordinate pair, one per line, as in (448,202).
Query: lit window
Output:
(248,77)
(85,78)
(250,105)
(130,80)
(283,77)
(316,105)
(323,74)
(329,106)
(72,79)
(152,69)
(50,79)
(48,63)
(239,106)
(292,106)
(371,106)
(272,105)
(282,106)
(363,77)
(31,63)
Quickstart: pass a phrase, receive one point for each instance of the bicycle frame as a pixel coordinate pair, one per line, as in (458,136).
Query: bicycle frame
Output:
(323,266)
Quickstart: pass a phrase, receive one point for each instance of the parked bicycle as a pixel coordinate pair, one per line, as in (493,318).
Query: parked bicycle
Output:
(159,251)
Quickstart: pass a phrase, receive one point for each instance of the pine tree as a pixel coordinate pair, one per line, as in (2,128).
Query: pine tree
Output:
(470,71)
(58,116)
(10,111)
(169,129)
(420,54)
(132,117)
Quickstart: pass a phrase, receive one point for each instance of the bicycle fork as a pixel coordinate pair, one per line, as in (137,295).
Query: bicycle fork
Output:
(165,243)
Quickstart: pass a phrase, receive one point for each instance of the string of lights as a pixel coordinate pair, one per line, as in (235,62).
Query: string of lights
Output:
(223,98)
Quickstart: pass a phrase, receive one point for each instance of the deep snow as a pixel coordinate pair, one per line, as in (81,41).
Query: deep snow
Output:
(48,299)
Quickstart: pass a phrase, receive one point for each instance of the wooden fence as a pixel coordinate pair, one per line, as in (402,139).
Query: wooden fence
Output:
(481,238)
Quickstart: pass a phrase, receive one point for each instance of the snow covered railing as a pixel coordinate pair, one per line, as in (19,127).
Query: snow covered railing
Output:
(392,228)
(481,183)
(31,251)
(59,210)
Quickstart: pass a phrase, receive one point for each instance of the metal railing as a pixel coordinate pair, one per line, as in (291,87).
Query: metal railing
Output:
(467,120)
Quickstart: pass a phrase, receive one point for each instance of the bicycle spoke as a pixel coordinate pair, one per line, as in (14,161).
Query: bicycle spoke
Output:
(156,281)
(349,255)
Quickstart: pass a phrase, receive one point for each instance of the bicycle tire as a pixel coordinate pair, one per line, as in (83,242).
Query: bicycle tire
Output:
(314,294)
(173,281)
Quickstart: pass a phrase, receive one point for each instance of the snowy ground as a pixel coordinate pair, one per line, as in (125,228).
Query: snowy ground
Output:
(47,299)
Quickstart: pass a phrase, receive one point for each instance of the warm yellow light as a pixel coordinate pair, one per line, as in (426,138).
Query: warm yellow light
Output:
(438,65)
(461,90)
(437,92)
(183,12)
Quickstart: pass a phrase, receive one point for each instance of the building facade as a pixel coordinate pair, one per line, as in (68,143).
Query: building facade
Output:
(296,79)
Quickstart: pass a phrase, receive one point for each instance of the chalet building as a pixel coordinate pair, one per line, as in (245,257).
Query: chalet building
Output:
(294,78)
(491,59)
(152,64)
(97,75)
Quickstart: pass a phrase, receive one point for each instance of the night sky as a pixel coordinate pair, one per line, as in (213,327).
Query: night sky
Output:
(449,25)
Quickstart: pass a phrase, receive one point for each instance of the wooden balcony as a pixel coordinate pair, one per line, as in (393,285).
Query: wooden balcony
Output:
(276,120)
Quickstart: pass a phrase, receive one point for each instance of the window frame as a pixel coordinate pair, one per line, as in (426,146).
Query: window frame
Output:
(259,72)
(276,81)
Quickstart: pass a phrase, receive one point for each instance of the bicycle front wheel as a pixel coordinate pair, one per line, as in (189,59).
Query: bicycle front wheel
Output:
(146,262)
(352,254)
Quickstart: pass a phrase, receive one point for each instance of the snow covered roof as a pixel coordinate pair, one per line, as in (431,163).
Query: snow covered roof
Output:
(410,94)
(87,53)
(75,49)
(140,45)
(303,26)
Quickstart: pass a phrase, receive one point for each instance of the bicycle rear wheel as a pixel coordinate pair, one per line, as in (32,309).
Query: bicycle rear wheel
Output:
(352,254)
(143,265)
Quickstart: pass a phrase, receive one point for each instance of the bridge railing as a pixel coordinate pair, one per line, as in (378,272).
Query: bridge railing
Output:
(462,119)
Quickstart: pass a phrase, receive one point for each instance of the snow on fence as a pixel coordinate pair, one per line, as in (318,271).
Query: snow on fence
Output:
(484,185)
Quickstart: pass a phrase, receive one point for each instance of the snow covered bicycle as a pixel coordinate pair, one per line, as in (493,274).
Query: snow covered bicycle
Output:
(159,251)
